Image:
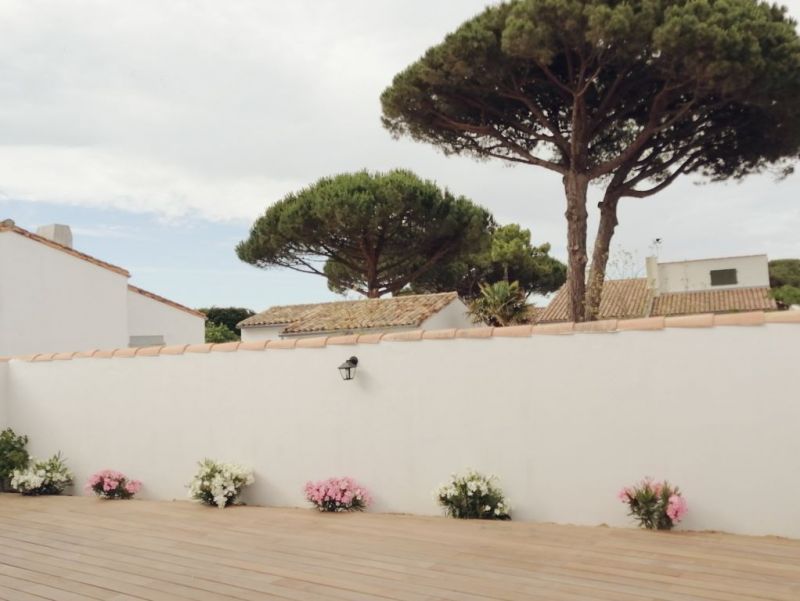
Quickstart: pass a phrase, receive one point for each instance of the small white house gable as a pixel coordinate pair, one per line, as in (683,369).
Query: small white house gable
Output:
(54,298)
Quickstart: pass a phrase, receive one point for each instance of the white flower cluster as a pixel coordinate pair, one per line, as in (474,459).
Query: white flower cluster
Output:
(48,477)
(473,495)
(218,483)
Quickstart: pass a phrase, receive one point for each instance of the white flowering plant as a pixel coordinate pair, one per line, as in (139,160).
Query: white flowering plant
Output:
(220,484)
(473,496)
(42,477)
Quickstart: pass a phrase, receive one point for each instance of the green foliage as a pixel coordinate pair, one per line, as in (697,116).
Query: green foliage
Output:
(509,257)
(371,233)
(228,316)
(219,332)
(654,505)
(500,304)
(630,94)
(784,272)
(786,295)
(473,496)
(653,86)
(13,455)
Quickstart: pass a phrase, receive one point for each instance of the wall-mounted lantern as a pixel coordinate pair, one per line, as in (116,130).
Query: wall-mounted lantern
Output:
(348,368)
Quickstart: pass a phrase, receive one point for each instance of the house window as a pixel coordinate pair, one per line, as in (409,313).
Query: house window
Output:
(723,277)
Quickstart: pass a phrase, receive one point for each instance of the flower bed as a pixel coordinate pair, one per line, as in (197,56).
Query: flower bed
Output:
(338,495)
(219,484)
(473,496)
(43,477)
(655,505)
(109,484)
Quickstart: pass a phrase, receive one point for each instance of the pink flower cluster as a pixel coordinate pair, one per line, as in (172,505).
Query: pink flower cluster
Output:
(656,504)
(337,494)
(676,508)
(111,484)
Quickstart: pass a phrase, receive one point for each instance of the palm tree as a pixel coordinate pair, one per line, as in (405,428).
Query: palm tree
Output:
(500,304)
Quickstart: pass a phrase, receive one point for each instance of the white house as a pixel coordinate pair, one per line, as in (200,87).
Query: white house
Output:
(408,312)
(54,298)
(721,285)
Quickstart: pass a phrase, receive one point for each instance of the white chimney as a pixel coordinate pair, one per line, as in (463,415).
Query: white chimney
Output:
(56,232)
(653,281)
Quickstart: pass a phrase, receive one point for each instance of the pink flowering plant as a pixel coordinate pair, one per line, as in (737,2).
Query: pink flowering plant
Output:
(110,484)
(338,495)
(657,505)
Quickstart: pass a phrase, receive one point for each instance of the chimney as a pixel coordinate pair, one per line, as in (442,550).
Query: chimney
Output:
(56,232)
(653,282)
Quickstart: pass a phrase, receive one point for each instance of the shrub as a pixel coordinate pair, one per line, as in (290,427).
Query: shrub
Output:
(13,455)
(656,505)
(338,495)
(218,483)
(219,332)
(109,484)
(473,496)
(43,477)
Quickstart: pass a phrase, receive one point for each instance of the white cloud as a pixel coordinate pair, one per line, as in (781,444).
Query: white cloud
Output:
(218,108)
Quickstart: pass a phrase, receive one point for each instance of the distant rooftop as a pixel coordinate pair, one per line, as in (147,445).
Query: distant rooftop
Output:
(627,299)
(399,311)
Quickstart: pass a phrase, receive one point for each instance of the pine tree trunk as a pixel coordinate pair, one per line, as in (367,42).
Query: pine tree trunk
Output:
(576,186)
(602,245)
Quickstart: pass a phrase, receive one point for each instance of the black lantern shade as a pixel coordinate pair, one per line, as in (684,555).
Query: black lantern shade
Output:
(348,368)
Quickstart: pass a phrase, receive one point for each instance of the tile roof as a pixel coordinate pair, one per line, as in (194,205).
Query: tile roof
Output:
(626,299)
(398,311)
(608,326)
(621,298)
(166,301)
(9,226)
(714,301)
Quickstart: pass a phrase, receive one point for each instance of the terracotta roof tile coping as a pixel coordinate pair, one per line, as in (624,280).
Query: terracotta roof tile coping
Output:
(199,348)
(175,349)
(255,345)
(439,334)
(125,352)
(753,318)
(475,333)
(150,351)
(226,347)
(346,339)
(282,343)
(782,317)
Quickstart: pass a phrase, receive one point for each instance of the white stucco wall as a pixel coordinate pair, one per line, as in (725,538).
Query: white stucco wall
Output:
(3,394)
(149,317)
(565,421)
(51,301)
(453,315)
(257,334)
(752,271)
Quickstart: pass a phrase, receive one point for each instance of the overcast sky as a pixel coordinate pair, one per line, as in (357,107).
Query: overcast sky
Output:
(159,129)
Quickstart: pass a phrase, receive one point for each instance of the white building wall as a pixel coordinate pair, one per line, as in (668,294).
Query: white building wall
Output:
(3,395)
(705,408)
(683,276)
(51,301)
(261,333)
(453,315)
(149,317)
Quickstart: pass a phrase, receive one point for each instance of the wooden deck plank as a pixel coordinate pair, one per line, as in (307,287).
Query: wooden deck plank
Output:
(64,548)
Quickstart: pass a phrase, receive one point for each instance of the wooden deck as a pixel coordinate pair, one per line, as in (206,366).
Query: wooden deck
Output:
(71,549)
